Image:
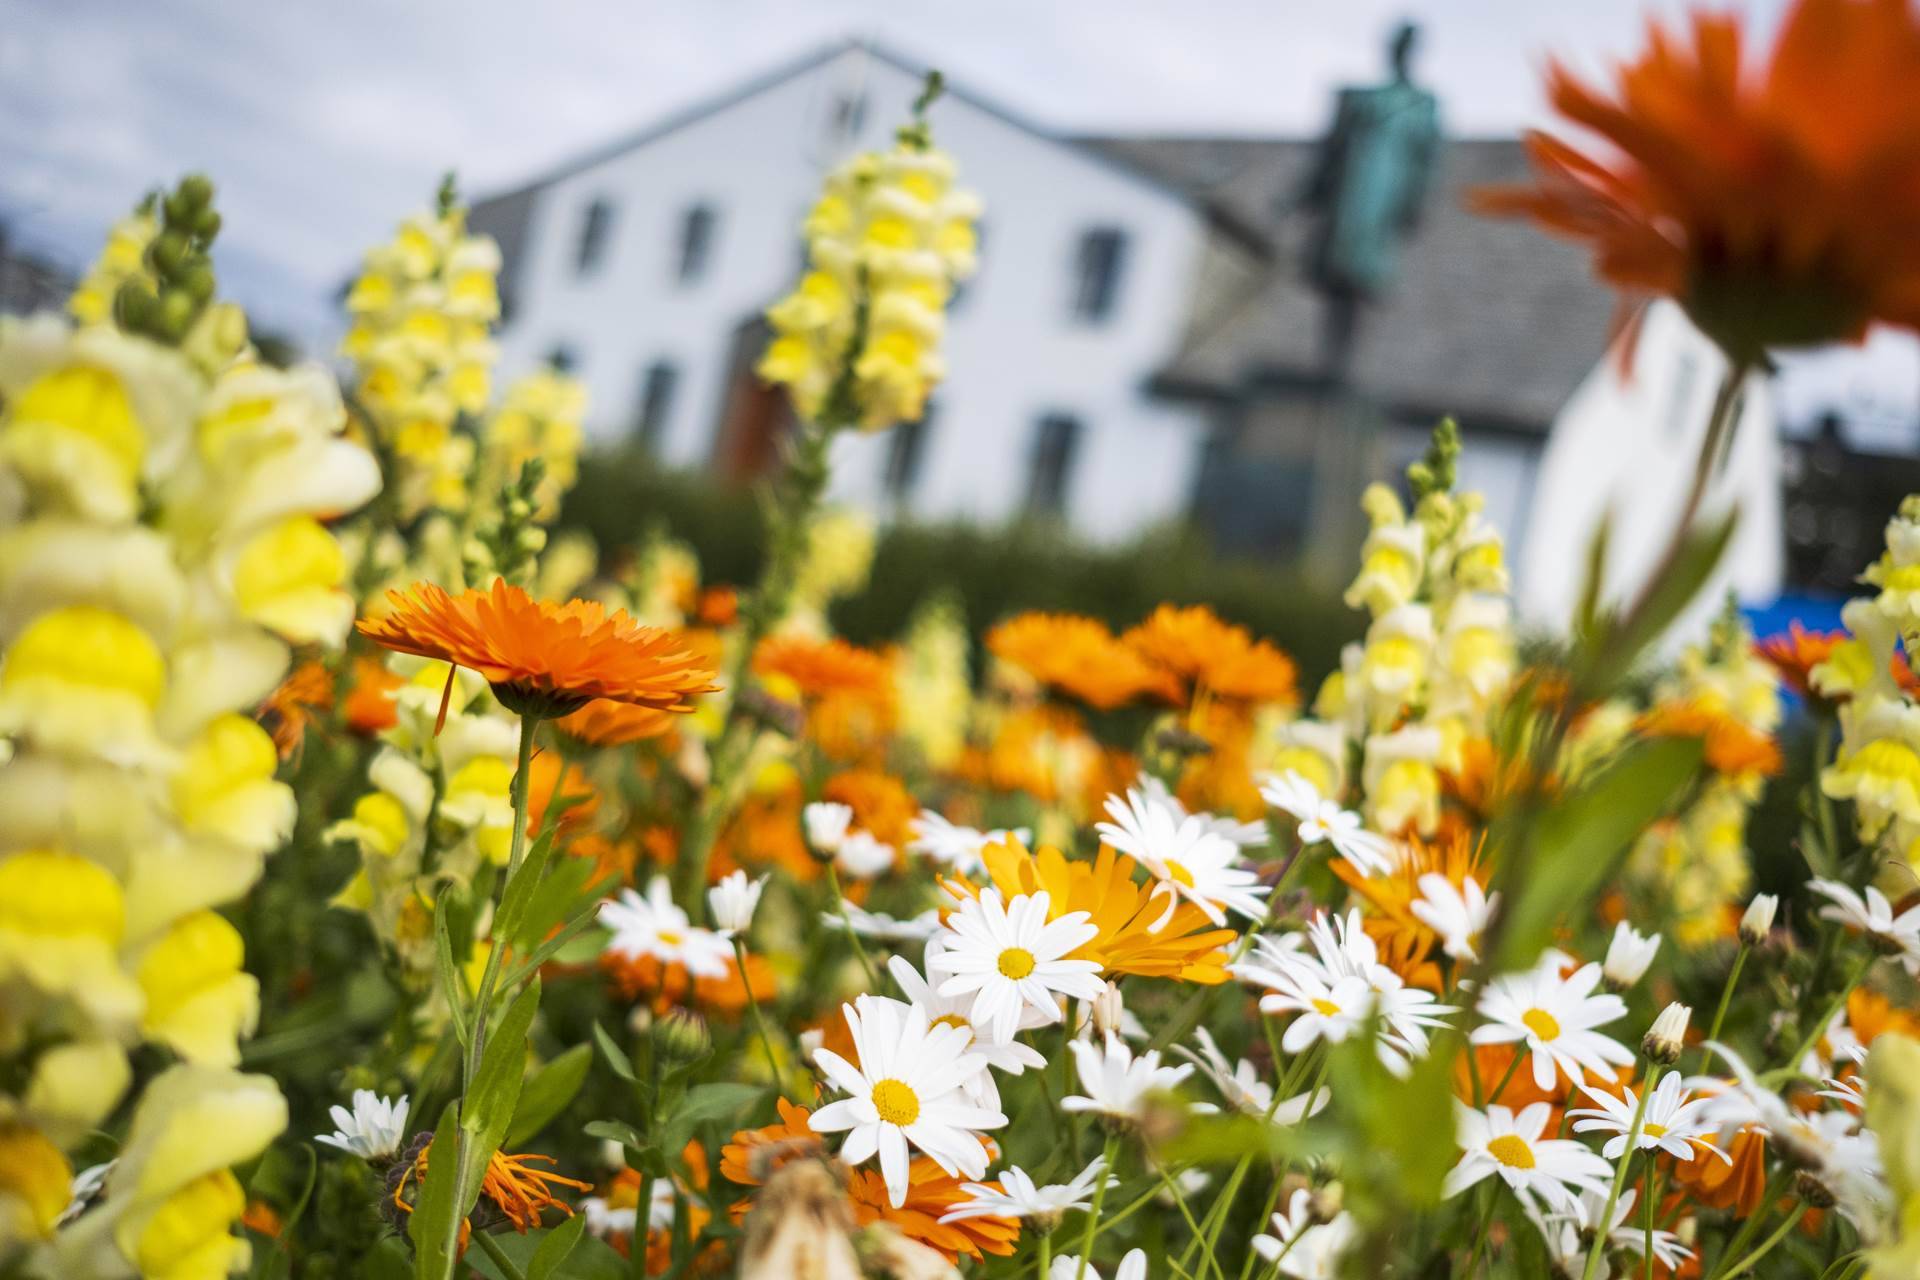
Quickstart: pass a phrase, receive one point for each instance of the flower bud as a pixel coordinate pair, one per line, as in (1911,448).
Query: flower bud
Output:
(1757,923)
(827,825)
(800,1228)
(1812,1190)
(1667,1036)
(1326,1202)
(1628,956)
(682,1036)
(732,901)
(1107,1010)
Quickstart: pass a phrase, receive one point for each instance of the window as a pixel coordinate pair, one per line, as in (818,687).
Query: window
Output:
(964,288)
(655,406)
(849,114)
(906,449)
(696,243)
(563,358)
(594,226)
(1096,278)
(1056,439)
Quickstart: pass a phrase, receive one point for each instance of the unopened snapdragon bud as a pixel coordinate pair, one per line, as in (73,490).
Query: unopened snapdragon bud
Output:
(826,825)
(1108,1010)
(1757,923)
(1628,956)
(733,900)
(1667,1036)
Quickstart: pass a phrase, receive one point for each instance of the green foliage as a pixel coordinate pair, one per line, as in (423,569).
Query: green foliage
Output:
(994,572)
(547,1092)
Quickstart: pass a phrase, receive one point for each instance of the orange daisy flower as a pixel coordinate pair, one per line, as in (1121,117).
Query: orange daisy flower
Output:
(1736,1183)
(1796,652)
(1137,934)
(818,668)
(1777,212)
(881,804)
(1224,659)
(511,1185)
(718,607)
(1731,746)
(755,1154)
(1406,942)
(290,709)
(549,777)
(1079,657)
(606,723)
(542,659)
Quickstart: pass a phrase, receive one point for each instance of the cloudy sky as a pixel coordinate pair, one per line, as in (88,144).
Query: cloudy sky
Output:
(323,121)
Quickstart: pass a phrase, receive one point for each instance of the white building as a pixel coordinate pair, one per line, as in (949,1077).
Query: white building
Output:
(1141,345)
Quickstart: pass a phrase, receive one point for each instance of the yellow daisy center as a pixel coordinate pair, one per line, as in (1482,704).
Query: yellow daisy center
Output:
(1511,1151)
(952,1020)
(1325,1008)
(671,938)
(1654,1130)
(1179,874)
(1016,963)
(896,1102)
(1541,1023)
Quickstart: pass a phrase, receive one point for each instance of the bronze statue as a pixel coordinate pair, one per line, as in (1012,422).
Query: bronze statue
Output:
(1368,183)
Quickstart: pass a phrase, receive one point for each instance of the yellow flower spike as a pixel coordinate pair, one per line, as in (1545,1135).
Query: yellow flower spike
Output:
(379,823)
(479,798)
(84,681)
(1879,766)
(75,1086)
(189,1236)
(199,1003)
(288,579)
(61,921)
(225,786)
(35,1184)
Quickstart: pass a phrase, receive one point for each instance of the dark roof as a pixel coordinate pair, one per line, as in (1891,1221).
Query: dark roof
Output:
(1492,320)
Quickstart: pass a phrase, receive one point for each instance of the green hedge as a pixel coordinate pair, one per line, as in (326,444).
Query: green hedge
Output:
(994,572)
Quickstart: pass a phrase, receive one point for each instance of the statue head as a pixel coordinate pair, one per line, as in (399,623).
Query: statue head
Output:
(1400,49)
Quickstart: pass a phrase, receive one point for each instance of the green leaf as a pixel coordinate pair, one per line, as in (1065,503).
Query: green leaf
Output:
(563,895)
(495,1089)
(554,1249)
(452,981)
(547,1092)
(588,1259)
(434,1225)
(520,889)
(723,1100)
(1621,642)
(616,1056)
(1573,847)
(387,1260)
(551,947)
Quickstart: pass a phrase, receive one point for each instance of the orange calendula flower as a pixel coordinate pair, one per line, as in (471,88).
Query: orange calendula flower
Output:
(1079,657)
(1776,210)
(606,723)
(512,1186)
(1796,652)
(549,778)
(542,658)
(818,668)
(1736,1183)
(881,804)
(370,706)
(665,985)
(718,607)
(1405,941)
(1138,933)
(754,1154)
(290,709)
(1732,747)
(1217,656)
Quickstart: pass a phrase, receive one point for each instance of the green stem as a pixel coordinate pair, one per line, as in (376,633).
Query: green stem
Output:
(1648,1194)
(1506,1079)
(1620,1173)
(1099,1198)
(853,936)
(499,1256)
(1769,1195)
(1186,1214)
(759,1018)
(1481,1232)
(1765,1246)
(1046,1257)
(1720,1014)
(1819,1027)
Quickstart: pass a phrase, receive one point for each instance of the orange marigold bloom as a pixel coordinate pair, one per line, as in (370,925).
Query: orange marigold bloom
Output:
(1406,942)
(606,723)
(370,706)
(1776,210)
(540,657)
(1221,779)
(521,1192)
(818,668)
(1218,656)
(295,705)
(1871,1015)
(665,985)
(1137,933)
(1796,652)
(719,606)
(881,804)
(1732,747)
(1079,657)
(1736,1183)
(550,776)
(754,1154)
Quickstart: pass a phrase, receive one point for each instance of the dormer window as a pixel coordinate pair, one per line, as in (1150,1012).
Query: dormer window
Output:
(1096,273)
(697,230)
(596,224)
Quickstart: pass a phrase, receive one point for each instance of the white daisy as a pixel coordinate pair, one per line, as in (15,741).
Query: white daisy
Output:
(1329,1011)
(909,1089)
(1323,820)
(1018,1197)
(1567,1234)
(861,856)
(1458,915)
(1240,1084)
(1734,1104)
(733,901)
(1116,1082)
(958,847)
(826,824)
(1873,916)
(87,1185)
(1675,1121)
(1178,849)
(1013,959)
(655,926)
(1496,1141)
(1248,835)
(1305,1249)
(1555,1018)
(1132,1267)
(1628,956)
(1009,1056)
(883,927)
(604,1220)
(374,1130)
